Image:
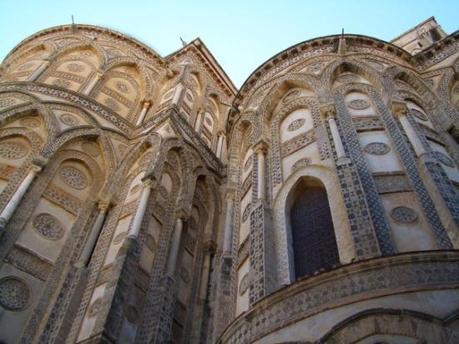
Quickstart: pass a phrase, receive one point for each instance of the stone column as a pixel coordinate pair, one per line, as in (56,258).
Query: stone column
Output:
(228,229)
(140,212)
(175,245)
(400,110)
(197,126)
(39,71)
(219,146)
(13,203)
(145,107)
(260,149)
(94,235)
(92,83)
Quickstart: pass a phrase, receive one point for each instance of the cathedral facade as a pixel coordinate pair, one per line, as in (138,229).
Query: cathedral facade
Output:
(144,199)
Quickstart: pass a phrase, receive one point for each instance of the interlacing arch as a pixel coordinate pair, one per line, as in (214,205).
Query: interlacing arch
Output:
(85,44)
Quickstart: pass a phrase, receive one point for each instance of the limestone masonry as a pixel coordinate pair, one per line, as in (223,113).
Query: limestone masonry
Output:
(144,199)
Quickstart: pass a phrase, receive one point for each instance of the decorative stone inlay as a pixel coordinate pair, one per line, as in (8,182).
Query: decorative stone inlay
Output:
(119,238)
(69,119)
(444,159)
(14,293)
(4,102)
(296,124)
(404,214)
(185,275)
(61,83)
(344,78)
(73,177)
(358,104)
(377,148)
(122,87)
(244,285)
(290,95)
(95,307)
(12,150)
(315,68)
(132,315)
(246,213)
(375,64)
(48,226)
(75,68)
(301,163)
(112,104)
(91,148)
(418,114)
(30,122)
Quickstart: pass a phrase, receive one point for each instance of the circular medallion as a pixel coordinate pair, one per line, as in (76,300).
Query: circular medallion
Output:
(30,122)
(69,119)
(301,163)
(119,238)
(48,226)
(419,115)
(150,242)
(75,67)
(25,66)
(296,124)
(376,148)
(290,95)
(112,104)
(444,159)
(132,315)
(95,307)
(359,104)
(14,293)
(246,213)
(73,177)
(4,102)
(12,150)
(91,148)
(185,275)
(244,285)
(61,83)
(122,87)
(404,215)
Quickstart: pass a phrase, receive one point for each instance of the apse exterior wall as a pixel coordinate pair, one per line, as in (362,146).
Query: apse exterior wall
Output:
(138,206)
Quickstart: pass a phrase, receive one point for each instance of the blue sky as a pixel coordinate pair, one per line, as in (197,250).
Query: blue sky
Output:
(240,34)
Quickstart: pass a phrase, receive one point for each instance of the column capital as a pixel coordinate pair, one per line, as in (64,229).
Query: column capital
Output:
(146,103)
(399,108)
(260,146)
(209,246)
(149,181)
(39,162)
(328,110)
(103,205)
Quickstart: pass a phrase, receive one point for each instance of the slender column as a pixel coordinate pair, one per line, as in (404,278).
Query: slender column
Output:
(17,197)
(205,274)
(175,244)
(228,229)
(138,217)
(260,150)
(94,235)
(145,107)
(92,83)
(39,71)
(197,126)
(219,146)
(329,113)
(400,110)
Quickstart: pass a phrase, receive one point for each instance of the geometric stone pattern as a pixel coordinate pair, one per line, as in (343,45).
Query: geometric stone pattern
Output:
(90,146)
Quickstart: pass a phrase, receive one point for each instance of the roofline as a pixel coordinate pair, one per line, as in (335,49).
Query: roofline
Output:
(335,37)
(70,27)
(201,46)
(414,27)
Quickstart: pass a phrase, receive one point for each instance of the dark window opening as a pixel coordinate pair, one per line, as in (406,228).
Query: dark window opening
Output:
(313,236)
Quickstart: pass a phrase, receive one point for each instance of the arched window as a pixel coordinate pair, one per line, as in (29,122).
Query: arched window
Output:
(313,238)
